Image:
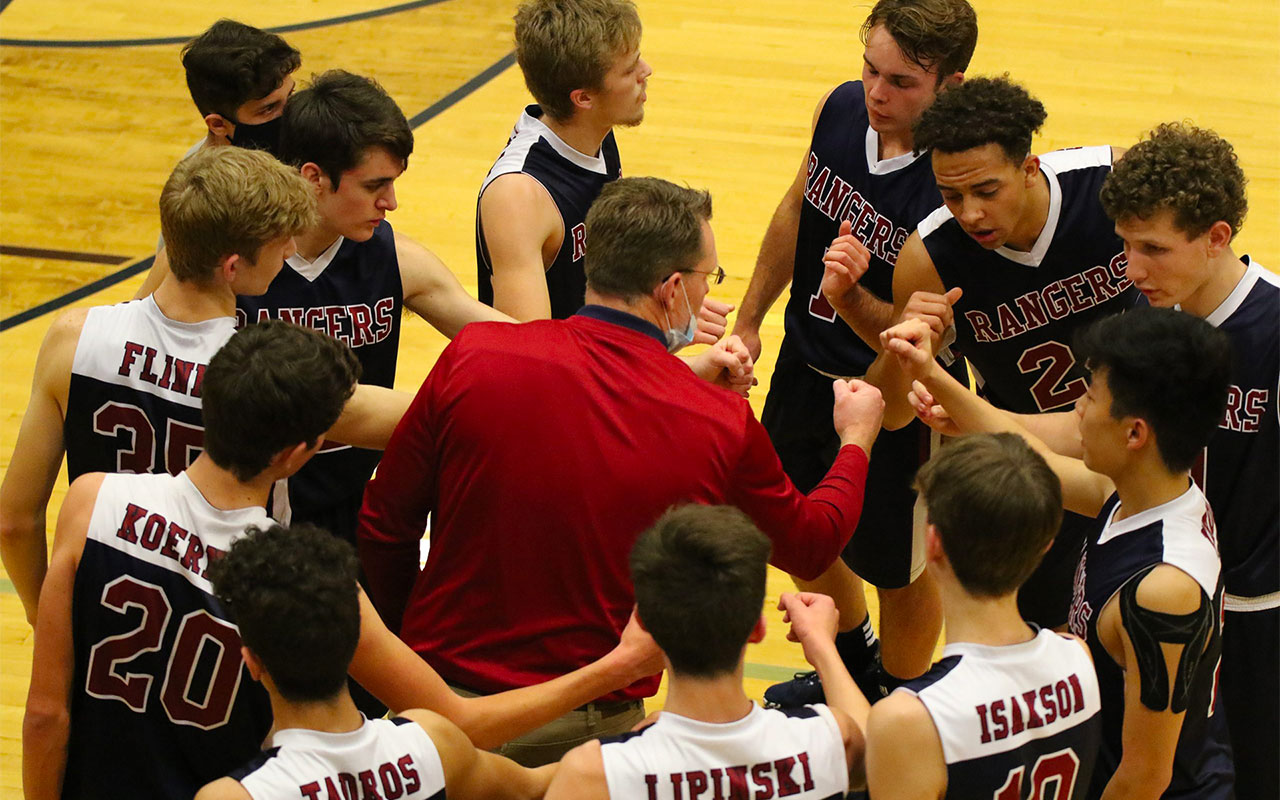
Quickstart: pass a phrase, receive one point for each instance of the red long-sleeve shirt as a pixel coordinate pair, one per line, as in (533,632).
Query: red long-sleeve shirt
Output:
(542,451)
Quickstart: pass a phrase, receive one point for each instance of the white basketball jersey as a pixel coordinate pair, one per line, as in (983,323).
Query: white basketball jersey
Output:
(1014,719)
(796,752)
(382,758)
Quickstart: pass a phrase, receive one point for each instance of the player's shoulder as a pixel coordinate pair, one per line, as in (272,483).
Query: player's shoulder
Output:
(901,717)
(1078,158)
(223,789)
(1169,590)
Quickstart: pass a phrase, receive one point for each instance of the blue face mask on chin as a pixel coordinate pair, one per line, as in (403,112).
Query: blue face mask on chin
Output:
(677,339)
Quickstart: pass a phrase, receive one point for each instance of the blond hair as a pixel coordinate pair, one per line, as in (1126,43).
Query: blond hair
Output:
(564,45)
(222,201)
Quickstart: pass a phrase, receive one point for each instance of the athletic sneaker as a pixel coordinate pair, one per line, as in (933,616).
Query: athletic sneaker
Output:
(806,688)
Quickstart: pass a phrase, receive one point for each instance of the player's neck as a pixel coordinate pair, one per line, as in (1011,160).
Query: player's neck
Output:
(892,145)
(981,620)
(1147,483)
(580,133)
(336,715)
(717,700)
(187,301)
(313,242)
(1225,272)
(223,490)
(1034,217)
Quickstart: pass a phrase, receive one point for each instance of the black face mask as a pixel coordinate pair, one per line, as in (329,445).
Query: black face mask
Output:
(263,136)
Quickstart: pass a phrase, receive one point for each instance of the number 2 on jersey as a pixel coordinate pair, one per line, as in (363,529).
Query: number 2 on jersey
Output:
(1057,360)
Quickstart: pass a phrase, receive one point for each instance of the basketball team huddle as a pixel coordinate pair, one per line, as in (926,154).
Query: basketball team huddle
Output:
(1031,399)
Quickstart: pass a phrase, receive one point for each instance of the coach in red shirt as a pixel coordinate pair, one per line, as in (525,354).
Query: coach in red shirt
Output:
(543,449)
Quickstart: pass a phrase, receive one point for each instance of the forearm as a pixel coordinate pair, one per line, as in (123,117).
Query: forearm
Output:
(840,690)
(774,267)
(1133,782)
(24,551)
(44,752)
(1059,430)
(491,720)
(894,384)
(370,417)
(865,313)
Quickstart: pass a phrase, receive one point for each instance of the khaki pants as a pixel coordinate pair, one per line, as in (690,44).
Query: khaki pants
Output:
(549,743)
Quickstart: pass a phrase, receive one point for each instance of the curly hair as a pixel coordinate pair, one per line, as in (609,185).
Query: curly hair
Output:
(937,35)
(1191,171)
(293,594)
(978,112)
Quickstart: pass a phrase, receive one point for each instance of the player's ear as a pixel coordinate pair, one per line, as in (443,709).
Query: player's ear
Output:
(314,175)
(229,268)
(757,633)
(252,663)
(951,81)
(1138,434)
(582,99)
(219,125)
(1031,169)
(1219,237)
(933,551)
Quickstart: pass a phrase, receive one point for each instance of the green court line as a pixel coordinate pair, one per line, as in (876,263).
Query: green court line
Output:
(6,586)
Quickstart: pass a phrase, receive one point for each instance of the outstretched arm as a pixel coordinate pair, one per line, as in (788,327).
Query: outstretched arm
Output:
(523,231)
(46,725)
(1156,628)
(370,417)
(33,469)
(400,678)
(917,293)
(432,292)
(469,772)
(776,262)
(910,343)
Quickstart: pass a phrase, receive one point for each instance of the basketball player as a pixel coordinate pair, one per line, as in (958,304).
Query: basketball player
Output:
(118,388)
(581,61)
(1148,587)
(240,78)
(1010,709)
(294,597)
(126,691)
(862,176)
(1024,251)
(352,275)
(699,576)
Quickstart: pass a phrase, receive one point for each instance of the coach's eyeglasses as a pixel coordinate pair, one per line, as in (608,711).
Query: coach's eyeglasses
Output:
(714,278)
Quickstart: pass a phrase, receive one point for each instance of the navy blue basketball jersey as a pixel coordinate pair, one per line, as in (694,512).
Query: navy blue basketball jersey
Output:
(1181,533)
(1240,471)
(353,293)
(573,180)
(161,702)
(1020,310)
(882,199)
(133,404)
(1015,720)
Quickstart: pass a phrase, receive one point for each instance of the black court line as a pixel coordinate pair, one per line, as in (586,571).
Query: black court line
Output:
(61,255)
(4,4)
(432,111)
(296,26)
(141,265)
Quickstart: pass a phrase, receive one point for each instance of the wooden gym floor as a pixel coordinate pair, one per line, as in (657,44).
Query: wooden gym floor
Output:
(94,113)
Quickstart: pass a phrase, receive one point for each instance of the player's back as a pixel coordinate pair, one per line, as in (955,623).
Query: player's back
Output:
(160,700)
(795,752)
(133,404)
(1020,310)
(572,180)
(1014,719)
(353,293)
(382,758)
